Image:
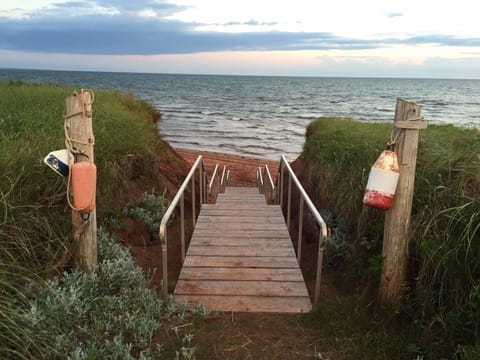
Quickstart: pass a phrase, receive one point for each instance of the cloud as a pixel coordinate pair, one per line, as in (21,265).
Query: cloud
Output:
(394,15)
(445,40)
(146,27)
(121,6)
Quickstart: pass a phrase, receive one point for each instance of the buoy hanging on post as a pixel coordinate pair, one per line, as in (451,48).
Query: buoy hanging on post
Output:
(382,181)
(84,180)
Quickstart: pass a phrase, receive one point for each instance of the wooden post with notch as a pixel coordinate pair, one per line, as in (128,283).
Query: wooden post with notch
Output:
(407,125)
(80,140)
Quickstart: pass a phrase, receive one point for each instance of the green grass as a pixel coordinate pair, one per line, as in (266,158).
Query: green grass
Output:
(109,313)
(34,218)
(443,300)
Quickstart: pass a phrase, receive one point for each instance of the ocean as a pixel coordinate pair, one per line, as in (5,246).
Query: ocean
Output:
(265,116)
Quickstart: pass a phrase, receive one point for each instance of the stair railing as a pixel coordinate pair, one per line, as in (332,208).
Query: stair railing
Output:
(224,179)
(217,183)
(304,200)
(269,187)
(208,192)
(260,184)
(180,198)
(275,195)
(265,184)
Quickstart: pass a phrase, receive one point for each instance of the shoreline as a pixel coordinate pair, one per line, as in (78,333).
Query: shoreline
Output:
(242,168)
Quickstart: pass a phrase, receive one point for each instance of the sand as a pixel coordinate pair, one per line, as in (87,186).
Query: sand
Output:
(242,168)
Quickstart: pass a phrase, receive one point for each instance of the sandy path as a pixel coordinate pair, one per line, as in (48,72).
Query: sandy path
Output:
(242,168)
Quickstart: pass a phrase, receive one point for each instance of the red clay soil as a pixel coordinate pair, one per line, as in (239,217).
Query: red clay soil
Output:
(242,168)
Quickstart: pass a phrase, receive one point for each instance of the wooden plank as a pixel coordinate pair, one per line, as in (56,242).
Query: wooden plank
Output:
(247,206)
(232,225)
(242,261)
(241,190)
(243,205)
(223,273)
(241,287)
(241,242)
(209,219)
(242,213)
(241,233)
(241,197)
(240,202)
(292,305)
(239,251)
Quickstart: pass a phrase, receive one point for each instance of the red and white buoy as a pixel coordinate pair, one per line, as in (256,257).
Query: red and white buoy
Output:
(382,181)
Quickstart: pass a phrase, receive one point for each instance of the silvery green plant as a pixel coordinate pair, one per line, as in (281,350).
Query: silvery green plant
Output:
(110,313)
(149,210)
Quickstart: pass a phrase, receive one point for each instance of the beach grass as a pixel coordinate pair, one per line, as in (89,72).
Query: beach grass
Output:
(110,313)
(33,212)
(443,297)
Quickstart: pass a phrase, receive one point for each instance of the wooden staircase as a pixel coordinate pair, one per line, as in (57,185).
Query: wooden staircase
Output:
(241,258)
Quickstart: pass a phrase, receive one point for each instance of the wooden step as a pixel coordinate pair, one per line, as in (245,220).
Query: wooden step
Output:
(241,258)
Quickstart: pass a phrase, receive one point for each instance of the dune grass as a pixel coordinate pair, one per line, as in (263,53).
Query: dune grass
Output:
(33,213)
(111,312)
(443,299)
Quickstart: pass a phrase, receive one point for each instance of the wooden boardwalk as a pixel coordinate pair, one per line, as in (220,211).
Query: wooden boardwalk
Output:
(241,258)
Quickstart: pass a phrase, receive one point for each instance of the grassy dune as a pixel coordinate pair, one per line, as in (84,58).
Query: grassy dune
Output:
(33,214)
(442,308)
(110,313)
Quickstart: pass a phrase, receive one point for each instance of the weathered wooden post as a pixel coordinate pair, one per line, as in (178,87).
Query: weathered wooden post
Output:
(407,123)
(79,142)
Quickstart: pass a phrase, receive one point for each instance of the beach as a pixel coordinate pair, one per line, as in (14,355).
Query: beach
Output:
(242,168)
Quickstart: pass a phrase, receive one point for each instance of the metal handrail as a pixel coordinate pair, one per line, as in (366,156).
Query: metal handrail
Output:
(206,189)
(260,184)
(274,194)
(224,179)
(269,190)
(304,199)
(179,197)
(213,185)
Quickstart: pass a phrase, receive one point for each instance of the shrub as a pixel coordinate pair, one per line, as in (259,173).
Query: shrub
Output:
(108,313)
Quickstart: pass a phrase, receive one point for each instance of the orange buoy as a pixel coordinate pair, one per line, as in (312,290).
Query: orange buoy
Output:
(382,181)
(84,182)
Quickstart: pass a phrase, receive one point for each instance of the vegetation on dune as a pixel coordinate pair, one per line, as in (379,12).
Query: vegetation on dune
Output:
(443,299)
(34,220)
(110,312)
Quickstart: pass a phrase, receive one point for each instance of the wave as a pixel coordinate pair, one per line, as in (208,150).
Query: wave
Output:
(208,113)
(309,116)
(384,110)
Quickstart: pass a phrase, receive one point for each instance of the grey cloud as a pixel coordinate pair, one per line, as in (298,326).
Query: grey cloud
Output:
(57,31)
(121,5)
(442,40)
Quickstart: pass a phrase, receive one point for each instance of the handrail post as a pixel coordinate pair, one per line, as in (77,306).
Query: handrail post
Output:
(205,189)
(318,280)
(164,290)
(300,231)
(162,231)
(305,201)
(182,226)
(200,186)
(281,184)
(193,201)
(289,200)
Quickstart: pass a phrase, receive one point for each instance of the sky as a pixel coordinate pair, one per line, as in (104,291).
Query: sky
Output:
(369,38)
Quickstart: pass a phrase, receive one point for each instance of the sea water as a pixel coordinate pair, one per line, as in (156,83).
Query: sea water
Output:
(265,116)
